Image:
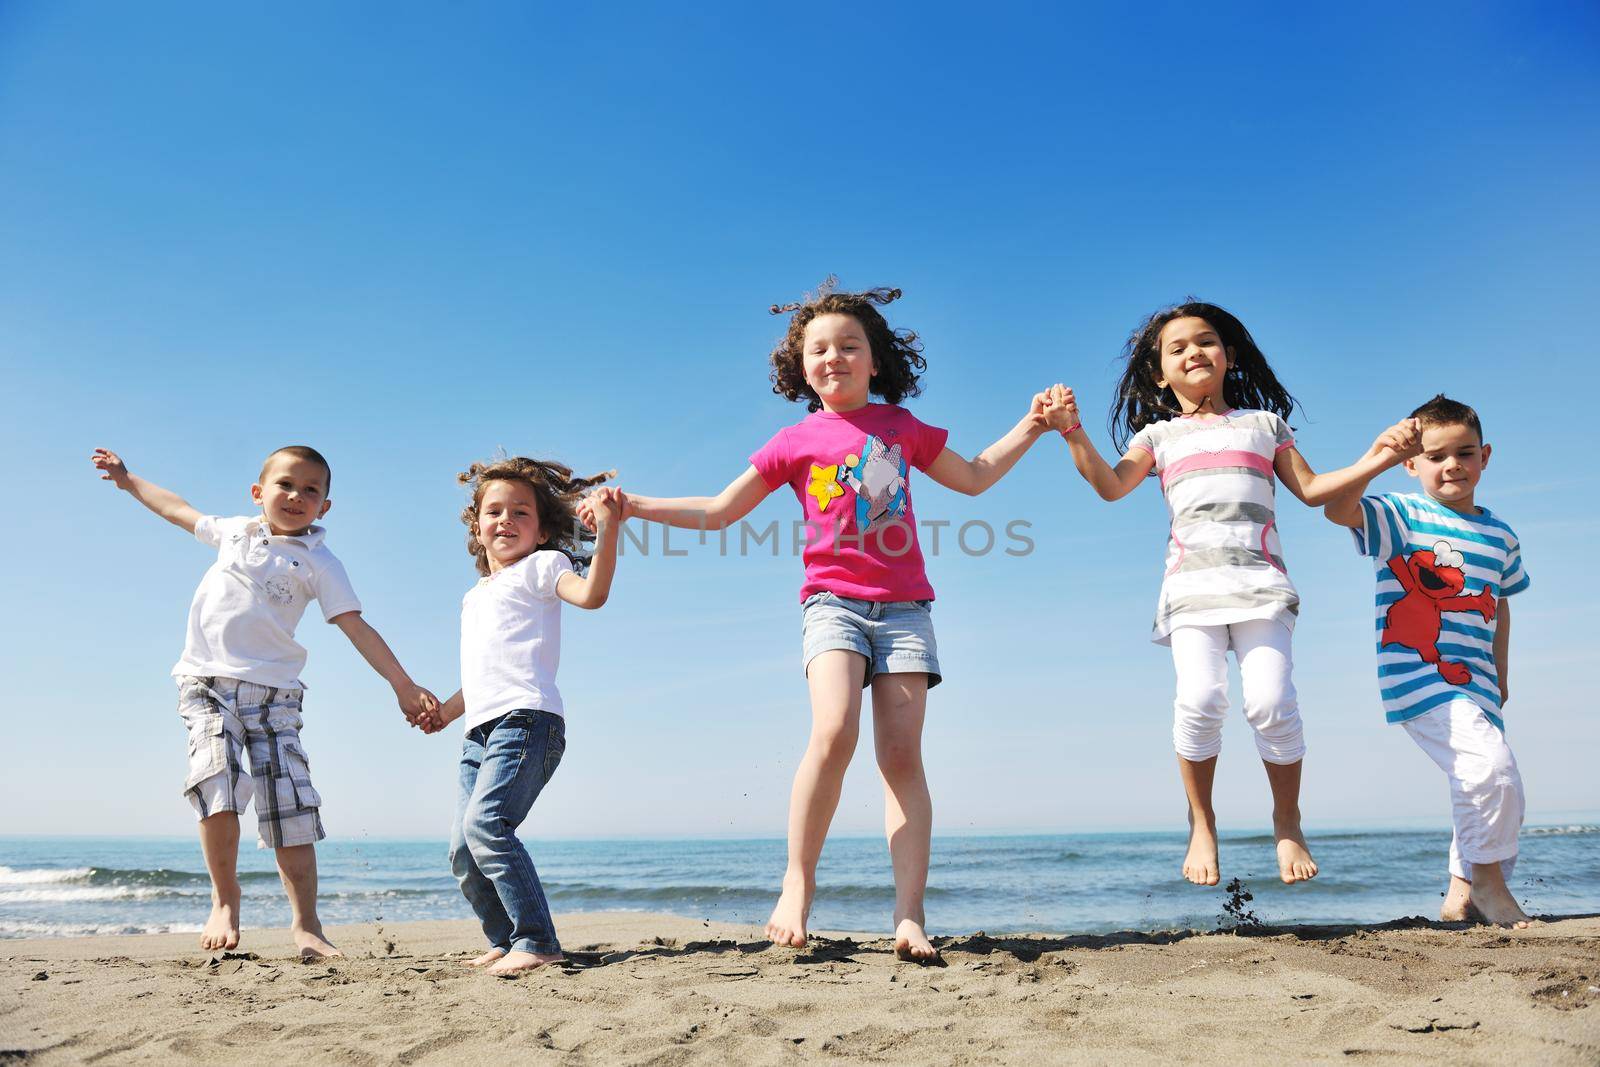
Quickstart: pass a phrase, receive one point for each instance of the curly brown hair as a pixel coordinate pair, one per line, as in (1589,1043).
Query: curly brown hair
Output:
(896,353)
(555,492)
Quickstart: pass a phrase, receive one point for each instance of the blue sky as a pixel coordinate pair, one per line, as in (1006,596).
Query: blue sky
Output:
(412,234)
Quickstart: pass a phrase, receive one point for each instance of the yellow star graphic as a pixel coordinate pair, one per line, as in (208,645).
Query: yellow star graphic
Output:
(824,485)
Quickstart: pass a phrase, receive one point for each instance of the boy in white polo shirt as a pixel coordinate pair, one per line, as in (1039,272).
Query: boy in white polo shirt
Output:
(239,677)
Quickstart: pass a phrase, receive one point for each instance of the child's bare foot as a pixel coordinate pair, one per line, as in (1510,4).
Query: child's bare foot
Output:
(515,962)
(911,942)
(1294,857)
(788,923)
(1492,902)
(311,943)
(487,958)
(222,928)
(1200,864)
(1457,906)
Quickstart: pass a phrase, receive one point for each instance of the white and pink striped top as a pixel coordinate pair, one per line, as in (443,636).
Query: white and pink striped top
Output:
(1224,563)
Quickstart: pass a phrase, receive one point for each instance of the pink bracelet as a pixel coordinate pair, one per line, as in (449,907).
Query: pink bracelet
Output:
(1070,429)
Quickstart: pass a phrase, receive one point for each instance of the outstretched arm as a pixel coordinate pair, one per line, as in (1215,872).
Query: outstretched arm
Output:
(592,590)
(973,476)
(1343,488)
(163,502)
(415,702)
(1111,483)
(695,512)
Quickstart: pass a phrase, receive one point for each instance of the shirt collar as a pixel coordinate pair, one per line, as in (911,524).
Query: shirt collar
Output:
(312,538)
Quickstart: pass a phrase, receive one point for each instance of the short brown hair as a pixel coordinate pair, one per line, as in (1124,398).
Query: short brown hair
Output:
(556,493)
(897,353)
(1442,411)
(305,452)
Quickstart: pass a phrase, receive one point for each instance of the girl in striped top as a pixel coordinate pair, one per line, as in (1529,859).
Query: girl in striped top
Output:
(1198,406)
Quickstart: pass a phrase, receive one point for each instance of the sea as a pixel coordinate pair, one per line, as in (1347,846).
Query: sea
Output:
(1046,883)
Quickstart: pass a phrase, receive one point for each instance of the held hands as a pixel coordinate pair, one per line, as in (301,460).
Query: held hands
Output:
(111,467)
(1402,441)
(603,507)
(418,705)
(436,718)
(1061,409)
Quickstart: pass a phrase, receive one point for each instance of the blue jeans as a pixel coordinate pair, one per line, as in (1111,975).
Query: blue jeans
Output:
(504,764)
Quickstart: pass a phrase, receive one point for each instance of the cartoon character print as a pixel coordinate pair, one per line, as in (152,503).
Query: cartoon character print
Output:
(878,475)
(279,589)
(1433,582)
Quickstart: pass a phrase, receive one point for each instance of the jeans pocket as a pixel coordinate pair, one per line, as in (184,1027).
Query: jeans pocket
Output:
(555,746)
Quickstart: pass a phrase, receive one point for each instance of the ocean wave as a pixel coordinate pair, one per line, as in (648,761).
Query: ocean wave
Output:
(40,875)
(1559,831)
(14,930)
(118,876)
(84,894)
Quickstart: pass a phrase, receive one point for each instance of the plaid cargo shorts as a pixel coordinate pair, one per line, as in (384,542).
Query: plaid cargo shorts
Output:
(225,715)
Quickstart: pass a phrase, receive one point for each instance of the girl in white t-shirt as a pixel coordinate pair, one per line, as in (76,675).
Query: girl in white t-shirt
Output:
(522,533)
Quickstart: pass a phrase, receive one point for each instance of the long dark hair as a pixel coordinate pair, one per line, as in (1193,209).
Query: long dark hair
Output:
(1140,401)
(897,353)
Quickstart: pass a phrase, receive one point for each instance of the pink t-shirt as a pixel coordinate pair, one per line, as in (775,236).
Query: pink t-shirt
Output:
(851,472)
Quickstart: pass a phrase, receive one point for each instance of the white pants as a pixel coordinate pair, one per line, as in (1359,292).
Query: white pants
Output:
(1485,787)
(1200,655)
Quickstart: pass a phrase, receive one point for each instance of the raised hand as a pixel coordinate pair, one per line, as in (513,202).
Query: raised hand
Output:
(1061,409)
(1403,439)
(1035,414)
(607,505)
(111,467)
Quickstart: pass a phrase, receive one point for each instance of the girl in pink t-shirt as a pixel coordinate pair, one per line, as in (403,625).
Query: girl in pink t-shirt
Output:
(866,598)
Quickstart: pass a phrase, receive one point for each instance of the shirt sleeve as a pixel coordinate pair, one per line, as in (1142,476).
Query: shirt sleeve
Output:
(1383,527)
(213,529)
(547,569)
(774,461)
(1513,579)
(1144,441)
(334,591)
(927,442)
(1283,436)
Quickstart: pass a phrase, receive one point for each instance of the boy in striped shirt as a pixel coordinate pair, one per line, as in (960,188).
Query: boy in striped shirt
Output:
(1445,566)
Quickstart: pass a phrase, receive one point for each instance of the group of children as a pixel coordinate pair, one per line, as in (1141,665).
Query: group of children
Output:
(1197,406)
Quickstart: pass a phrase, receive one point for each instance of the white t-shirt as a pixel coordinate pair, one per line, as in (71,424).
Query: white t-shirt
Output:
(511,639)
(242,620)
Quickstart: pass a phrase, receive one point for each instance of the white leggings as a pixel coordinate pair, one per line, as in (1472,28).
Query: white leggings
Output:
(1200,655)
(1485,786)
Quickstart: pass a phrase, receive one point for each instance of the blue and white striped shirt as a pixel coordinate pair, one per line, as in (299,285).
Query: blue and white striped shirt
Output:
(1441,575)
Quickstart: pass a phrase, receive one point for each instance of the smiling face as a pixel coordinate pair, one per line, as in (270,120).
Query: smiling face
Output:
(838,361)
(1450,465)
(508,523)
(292,493)
(1194,363)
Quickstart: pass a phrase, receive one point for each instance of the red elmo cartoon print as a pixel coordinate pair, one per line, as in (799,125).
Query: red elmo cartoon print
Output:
(1433,583)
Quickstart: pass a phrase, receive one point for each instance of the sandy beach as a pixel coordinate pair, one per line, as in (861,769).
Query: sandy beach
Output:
(661,989)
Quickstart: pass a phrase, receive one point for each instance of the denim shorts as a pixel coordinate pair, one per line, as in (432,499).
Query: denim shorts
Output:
(895,636)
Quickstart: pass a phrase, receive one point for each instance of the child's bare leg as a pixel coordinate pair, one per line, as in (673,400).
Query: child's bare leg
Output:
(834,678)
(1200,864)
(297,866)
(1491,899)
(899,706)
(1457,906)
(219,843)
(1294,856)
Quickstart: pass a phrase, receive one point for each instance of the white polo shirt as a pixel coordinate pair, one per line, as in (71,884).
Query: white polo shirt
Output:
(511,639)
(242,619)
